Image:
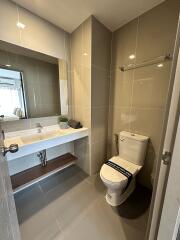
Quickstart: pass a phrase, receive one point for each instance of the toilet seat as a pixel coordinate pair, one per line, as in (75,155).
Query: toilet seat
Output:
(115,178)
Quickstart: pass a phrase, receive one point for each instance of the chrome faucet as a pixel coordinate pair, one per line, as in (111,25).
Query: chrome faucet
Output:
(39,127)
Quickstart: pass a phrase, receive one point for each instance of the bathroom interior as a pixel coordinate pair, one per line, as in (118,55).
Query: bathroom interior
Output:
(82,116)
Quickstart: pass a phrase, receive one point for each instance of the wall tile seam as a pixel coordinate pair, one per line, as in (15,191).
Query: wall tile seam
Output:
(137,107)
(133,71)
(98,67)
(80,65)
(100,107)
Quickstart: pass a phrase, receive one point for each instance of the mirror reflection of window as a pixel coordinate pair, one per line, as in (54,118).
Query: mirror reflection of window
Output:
(12,100)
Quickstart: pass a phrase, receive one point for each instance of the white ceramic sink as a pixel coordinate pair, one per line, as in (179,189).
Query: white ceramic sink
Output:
(41,136)
(30,141)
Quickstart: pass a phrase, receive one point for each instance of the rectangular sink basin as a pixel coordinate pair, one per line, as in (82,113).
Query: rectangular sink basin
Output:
(41,136)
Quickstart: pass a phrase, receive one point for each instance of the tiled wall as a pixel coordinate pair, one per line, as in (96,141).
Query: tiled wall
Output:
(138,97)
(100,82)
(81,88)
(91,55)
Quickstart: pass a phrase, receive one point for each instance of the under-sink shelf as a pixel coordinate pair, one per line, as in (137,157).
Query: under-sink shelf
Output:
(35,174)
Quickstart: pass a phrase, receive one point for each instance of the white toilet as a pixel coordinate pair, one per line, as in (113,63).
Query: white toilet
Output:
(118,174)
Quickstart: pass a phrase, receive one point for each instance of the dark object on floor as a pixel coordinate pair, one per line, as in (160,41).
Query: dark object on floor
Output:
(136,204)
(75,124)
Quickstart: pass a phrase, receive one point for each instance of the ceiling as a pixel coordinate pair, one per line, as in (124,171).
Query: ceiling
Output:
(69,14)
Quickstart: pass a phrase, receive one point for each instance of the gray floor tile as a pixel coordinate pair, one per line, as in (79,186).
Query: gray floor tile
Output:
(99,222)
(36,218)
(72,205)
(41,226)
(63,181)
(28,202)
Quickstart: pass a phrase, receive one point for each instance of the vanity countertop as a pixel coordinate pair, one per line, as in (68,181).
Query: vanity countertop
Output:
(30,141)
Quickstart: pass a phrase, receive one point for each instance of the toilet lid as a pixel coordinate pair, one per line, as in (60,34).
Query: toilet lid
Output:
(112,175)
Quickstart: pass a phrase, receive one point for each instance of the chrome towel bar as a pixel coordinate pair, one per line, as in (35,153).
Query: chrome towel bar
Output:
(160,59)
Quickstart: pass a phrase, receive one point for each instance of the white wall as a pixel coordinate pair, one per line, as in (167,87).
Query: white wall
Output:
(38,35)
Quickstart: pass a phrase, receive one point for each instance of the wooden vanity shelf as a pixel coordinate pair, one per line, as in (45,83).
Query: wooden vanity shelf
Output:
(35,174)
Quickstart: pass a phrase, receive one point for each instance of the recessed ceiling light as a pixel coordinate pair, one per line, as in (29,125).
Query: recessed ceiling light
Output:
(132,56)
(8,65)
(160,65)
(21,25)
(85,54)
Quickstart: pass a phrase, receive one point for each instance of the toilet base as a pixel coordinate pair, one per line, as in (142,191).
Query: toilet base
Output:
(116,198)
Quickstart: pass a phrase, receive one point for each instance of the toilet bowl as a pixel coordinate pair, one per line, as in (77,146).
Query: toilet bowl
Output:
(132,150)
(116,182)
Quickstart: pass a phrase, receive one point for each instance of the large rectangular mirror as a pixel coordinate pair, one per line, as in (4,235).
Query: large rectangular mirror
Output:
(29,84)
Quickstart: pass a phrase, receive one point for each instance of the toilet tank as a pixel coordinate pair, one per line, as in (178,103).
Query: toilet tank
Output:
(132,147)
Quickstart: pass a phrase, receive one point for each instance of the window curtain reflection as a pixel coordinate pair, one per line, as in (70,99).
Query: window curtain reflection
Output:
(9,100)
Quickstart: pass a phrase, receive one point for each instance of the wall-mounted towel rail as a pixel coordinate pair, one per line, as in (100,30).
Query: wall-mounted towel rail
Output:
(160,59)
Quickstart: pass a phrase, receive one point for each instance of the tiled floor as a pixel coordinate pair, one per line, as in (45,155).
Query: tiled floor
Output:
(71,205)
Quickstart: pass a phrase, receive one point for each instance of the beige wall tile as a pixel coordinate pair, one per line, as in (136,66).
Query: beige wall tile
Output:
(86,86)
(121,119)
(90,82)
(145,175)
(86,42)
(99,126)
(100,87)
(81,88)
(121,88)
(33,35)
(83,115)
(99,156)
(157,31)
(124,44)
(36,30)
(82,151)
(148,122)
(76,86)
(101,57)
(76,47)
(8,19)
(150,86)
(101,45)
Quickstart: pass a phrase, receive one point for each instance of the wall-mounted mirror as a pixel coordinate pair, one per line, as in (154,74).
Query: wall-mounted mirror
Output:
(29,84)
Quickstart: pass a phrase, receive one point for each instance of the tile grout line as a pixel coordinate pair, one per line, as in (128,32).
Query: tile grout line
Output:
(133,75)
